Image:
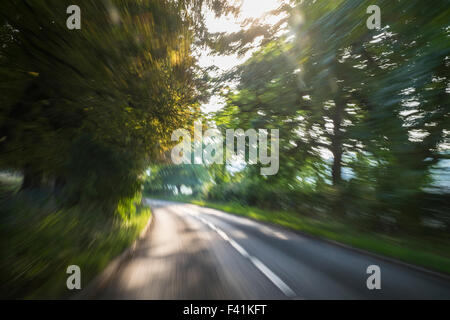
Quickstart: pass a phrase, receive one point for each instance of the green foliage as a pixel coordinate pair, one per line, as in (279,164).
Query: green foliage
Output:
(39,240)
(86,109)
(168,179)
(82,115)
(363,114)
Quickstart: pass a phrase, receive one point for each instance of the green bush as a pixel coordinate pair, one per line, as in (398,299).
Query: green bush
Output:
(40,239)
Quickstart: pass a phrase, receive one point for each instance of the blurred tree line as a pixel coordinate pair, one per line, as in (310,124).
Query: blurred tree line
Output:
(84,112)
(363,114)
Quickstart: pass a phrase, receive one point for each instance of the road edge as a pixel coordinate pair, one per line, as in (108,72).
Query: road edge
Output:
(100,281)
(336,243)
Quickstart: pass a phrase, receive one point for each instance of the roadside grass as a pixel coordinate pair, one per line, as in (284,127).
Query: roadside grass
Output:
(39,241)
(416,251)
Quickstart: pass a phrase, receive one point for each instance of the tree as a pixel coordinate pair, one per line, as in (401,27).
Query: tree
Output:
(75,100)
(365,109)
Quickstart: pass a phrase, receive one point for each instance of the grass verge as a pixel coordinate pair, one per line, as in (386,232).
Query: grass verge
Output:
(420,252)
(39,241)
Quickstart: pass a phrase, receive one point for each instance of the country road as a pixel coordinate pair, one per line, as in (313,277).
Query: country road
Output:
(191,252)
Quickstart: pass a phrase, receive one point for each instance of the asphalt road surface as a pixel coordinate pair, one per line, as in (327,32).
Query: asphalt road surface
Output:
(191,252)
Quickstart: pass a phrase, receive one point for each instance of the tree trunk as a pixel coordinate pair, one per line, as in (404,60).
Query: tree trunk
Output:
(336,148)
(31,178)
(336,142)
(59,184)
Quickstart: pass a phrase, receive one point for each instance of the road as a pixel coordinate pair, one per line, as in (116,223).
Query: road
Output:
(191,252)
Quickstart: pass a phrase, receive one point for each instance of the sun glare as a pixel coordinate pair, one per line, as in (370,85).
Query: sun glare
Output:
(257,8)
(250,9)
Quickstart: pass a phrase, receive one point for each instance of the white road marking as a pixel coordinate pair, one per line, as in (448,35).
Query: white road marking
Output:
(273,277)
(280,284)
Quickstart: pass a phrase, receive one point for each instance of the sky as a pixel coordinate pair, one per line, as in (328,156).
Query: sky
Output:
(249,9)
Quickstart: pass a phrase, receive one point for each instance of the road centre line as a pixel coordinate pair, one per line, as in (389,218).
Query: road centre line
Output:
(280,284)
